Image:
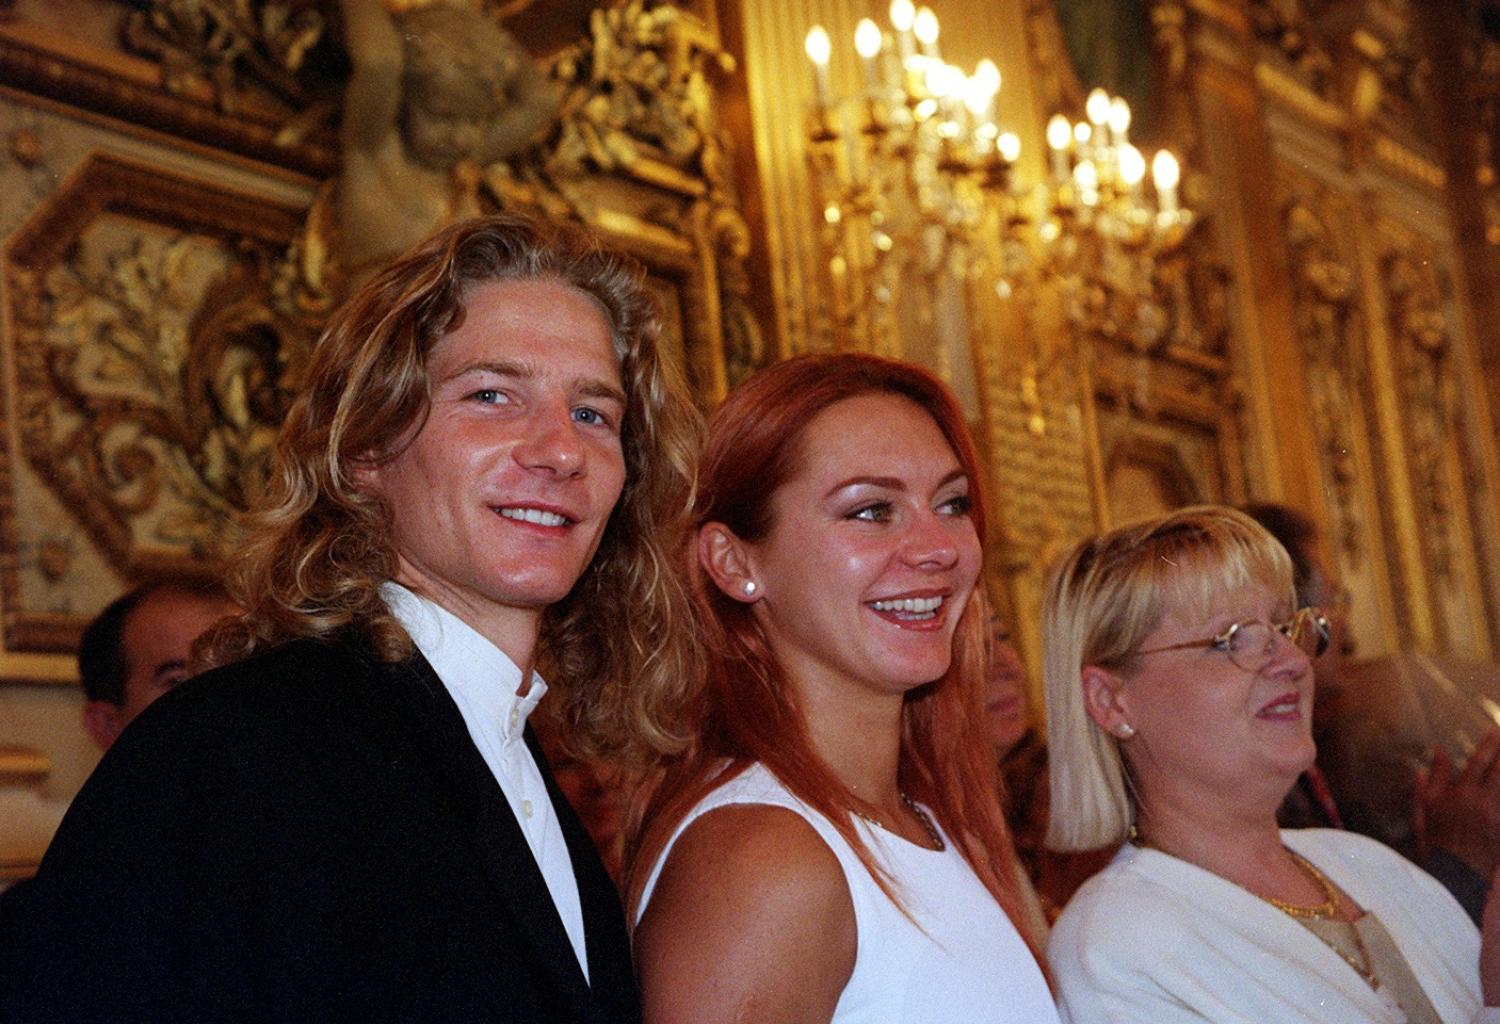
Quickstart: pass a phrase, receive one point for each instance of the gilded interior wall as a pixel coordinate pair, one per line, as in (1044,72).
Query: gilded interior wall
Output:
(1404,440)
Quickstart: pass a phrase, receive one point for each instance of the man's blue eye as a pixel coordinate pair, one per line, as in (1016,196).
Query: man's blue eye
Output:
(490,396)
(587,415)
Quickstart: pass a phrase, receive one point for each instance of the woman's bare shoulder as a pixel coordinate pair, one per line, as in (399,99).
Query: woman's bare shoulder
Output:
(751,914)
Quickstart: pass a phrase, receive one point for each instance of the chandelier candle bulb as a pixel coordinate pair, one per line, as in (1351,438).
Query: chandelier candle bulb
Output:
(1119,122)
(925,25)
(892,67)
(903,15)
(1132,168)
(1097,107)
(1009,147)
(986,81)
(1165,173)
(1083,135)
(1059,137)
(867,44)
(819,48)
(1086,177)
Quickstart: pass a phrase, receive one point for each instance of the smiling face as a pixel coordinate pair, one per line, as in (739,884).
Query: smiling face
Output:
(871,555)
(1208,728)
(498,503)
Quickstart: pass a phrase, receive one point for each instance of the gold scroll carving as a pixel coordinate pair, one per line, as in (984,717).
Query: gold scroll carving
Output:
(151,370)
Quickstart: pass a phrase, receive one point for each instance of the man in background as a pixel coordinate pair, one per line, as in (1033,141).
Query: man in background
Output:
(138,648)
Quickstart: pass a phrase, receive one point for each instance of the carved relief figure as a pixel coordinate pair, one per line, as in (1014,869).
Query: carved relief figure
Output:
(1419,332)
(1326,310)
(438,93)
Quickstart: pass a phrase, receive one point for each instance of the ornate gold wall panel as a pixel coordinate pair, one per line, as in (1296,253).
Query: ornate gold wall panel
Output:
(1391,377)
(130,290)
(1330,320)
(151,373)
(1167,433)
(1452,492)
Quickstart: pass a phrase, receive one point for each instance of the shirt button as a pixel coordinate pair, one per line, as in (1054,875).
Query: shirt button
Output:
(515,718)
(526,808)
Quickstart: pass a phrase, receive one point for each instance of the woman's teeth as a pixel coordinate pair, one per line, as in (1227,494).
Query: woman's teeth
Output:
(920,607)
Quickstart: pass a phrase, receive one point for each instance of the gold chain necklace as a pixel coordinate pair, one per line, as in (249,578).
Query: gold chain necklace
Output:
(1318,912)
(1362,966)
(1325,911)
(934,837)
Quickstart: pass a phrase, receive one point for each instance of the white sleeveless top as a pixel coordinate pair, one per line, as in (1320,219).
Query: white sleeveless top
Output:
(966,964)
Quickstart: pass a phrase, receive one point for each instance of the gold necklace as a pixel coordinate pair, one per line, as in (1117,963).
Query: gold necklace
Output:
(934,837)
(1318,912)
(1363,966)
(1325,911)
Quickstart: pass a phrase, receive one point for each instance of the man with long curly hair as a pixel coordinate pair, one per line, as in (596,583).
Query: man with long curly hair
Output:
(349,818)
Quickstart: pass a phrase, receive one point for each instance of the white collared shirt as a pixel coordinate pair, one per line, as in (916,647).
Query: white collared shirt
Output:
(483,682)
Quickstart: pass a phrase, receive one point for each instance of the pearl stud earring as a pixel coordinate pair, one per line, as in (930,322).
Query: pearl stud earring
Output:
(749,587)
(1125,731)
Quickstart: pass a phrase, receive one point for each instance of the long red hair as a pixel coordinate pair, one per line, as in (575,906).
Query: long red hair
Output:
(742,709)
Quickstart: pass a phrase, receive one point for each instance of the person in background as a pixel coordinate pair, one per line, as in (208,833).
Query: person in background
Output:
(140,646)
(1179,698)
(1017,746)
(1048,878)
(1447,820)
(828,845)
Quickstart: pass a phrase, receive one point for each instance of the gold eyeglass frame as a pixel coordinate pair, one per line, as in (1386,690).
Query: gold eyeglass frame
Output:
(1306,617)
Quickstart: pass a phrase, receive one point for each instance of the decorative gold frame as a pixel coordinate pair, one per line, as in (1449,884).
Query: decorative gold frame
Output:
(104,184)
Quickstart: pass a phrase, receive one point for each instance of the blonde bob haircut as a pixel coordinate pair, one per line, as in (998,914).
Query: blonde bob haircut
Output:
(1102,600)
(319,545)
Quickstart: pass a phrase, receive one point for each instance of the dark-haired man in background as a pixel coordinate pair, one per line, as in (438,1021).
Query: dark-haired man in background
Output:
(139,647)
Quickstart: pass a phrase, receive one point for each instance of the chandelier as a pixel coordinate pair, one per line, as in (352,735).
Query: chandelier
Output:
(914,179)
(912,173)
(1104,236)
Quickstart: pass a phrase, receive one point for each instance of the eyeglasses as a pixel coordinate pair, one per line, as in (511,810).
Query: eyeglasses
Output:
(1252,643)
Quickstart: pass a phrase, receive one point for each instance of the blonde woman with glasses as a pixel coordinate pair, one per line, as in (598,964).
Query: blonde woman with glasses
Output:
(1179,697)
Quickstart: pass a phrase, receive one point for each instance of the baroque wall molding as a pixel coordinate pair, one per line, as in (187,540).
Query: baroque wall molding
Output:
(130,90)
(151,369)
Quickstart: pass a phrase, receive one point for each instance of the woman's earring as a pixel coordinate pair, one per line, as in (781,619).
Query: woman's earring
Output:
(749,588)
(1125,730)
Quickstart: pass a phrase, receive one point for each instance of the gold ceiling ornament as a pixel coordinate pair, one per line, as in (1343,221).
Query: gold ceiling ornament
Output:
(913,174)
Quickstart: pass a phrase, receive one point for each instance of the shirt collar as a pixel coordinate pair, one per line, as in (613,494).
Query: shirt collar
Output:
(464,659)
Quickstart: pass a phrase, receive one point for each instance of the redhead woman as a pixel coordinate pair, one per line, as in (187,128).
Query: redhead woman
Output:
(1179,698)
(828,845)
